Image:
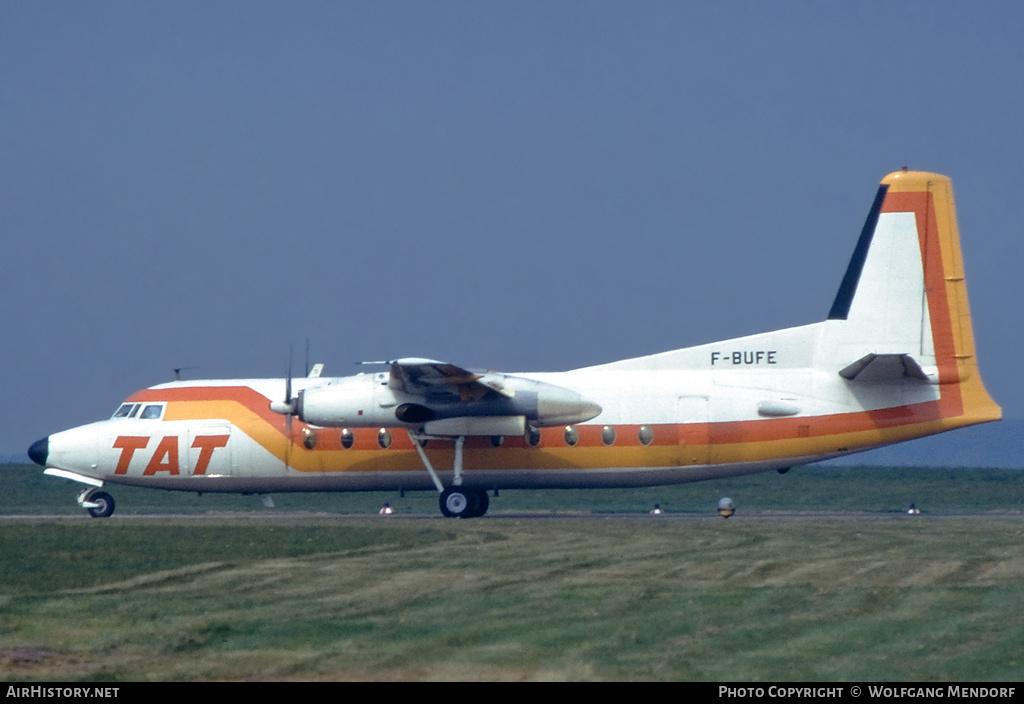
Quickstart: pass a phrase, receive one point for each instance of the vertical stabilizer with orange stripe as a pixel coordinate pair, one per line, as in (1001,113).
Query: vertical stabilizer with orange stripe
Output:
(901,314)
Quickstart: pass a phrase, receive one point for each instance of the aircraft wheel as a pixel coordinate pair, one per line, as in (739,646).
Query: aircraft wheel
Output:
(464,503)
(456,503)
(483,502)
(460,503)
(106,505)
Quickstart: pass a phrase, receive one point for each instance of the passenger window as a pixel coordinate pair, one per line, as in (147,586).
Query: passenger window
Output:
(572,436)
(608,435)
(347,438)
(309,438)
(533,436)
(646,434)
(152,412)
(384,438)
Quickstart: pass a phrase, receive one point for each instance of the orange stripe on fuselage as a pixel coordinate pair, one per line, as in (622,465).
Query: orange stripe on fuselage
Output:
(732,441)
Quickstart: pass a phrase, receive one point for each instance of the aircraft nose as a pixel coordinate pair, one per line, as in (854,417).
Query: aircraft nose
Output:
(39,451)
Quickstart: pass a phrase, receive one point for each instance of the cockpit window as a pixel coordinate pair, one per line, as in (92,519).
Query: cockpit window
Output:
(131,410)
(152,411)
(127,410)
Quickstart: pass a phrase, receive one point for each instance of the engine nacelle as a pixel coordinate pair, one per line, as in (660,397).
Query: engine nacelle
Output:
(557,405)
(352,402)
(369,401)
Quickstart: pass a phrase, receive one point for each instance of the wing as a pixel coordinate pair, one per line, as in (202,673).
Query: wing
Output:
(440,381)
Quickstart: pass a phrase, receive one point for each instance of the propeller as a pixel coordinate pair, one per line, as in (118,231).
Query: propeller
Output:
(286,408)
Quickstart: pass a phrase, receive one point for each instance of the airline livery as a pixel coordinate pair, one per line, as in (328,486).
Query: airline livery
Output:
(893,361)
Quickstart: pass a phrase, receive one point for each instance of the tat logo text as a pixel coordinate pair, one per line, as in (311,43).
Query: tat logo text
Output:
(165,457)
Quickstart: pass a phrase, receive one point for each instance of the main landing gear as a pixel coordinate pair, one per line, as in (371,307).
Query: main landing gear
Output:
(456,501)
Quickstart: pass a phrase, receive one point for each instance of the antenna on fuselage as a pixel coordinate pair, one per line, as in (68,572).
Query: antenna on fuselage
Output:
(179,370)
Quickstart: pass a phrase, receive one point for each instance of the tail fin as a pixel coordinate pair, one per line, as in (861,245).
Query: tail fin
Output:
(903,300)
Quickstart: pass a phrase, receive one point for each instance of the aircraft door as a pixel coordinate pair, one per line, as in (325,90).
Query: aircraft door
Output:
(210,452)
(692,418)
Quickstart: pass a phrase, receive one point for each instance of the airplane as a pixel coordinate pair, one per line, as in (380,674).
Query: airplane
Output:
(894,360)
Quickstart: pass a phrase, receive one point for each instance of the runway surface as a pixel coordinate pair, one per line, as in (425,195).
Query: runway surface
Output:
(324,516)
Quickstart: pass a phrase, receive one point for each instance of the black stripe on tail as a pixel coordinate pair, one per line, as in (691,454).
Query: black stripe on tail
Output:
(847,289)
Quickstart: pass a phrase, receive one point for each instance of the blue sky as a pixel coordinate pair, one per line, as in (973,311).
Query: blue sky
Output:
(510,185)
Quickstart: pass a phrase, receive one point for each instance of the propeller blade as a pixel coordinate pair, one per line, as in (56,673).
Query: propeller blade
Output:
(288,440)
(291,410)
(288,379)
(286,407)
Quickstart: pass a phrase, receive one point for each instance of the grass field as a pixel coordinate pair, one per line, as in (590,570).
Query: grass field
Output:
(586,592)
(25,490)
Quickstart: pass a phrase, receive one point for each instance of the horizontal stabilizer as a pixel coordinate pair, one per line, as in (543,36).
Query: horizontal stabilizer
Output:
(874,368)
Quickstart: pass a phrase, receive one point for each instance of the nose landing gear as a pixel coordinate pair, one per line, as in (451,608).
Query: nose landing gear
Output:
(99,504)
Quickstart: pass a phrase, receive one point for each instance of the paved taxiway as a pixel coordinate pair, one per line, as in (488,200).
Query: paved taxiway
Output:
(323,516)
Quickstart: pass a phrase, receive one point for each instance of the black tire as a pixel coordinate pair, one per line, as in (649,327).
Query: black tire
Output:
(464,503)
(106,505)
(483,502)
(456,503)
